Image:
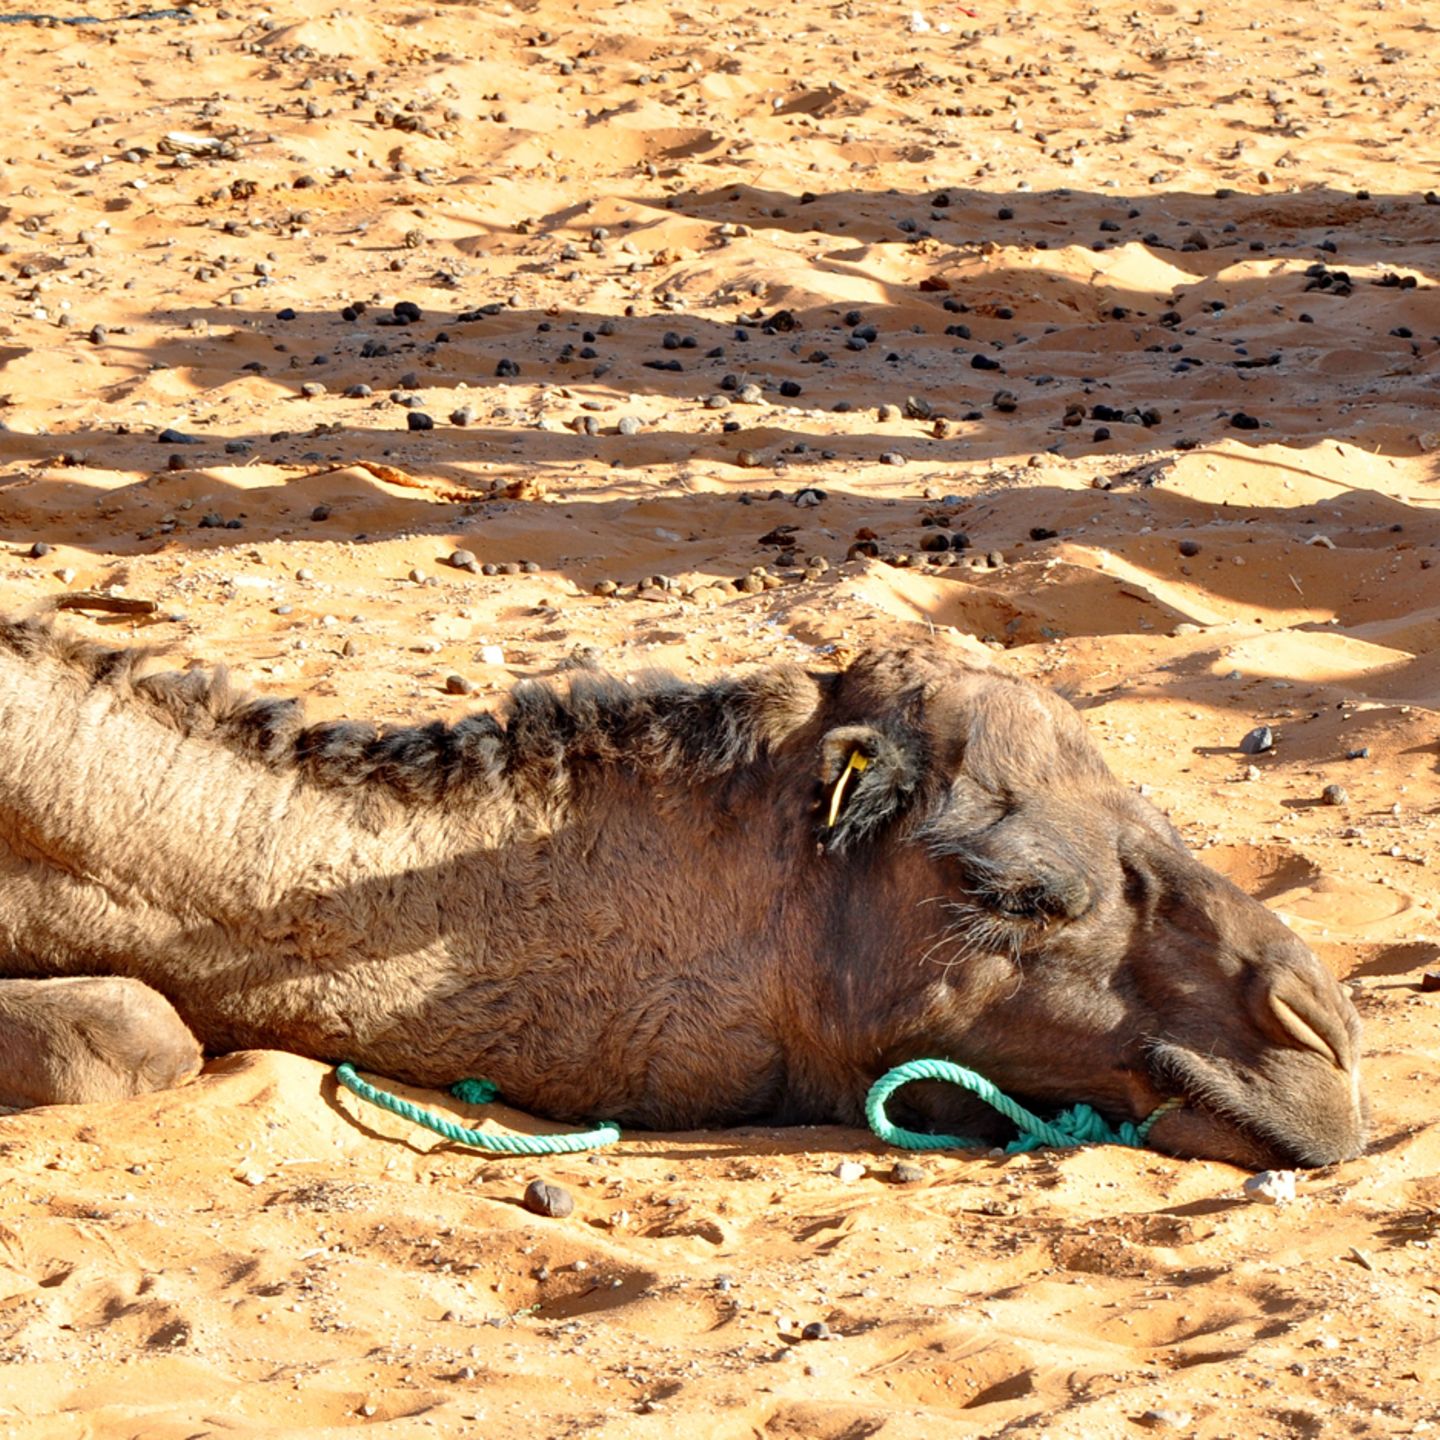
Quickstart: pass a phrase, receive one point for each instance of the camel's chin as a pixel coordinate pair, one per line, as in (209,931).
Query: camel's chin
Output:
(1192,1133)
(1300,1112)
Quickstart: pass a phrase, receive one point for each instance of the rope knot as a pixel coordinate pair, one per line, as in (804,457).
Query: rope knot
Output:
(1079,1125)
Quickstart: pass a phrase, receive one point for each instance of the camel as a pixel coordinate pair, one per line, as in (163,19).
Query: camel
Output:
(668,904)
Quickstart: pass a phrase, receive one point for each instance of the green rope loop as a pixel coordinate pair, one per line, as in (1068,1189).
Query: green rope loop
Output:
(478,1092)
(1079,1125)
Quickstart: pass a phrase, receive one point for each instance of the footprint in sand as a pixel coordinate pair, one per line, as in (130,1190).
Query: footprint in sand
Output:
(1330,906)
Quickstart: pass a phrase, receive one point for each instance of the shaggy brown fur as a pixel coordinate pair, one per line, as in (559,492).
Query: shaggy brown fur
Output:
(624,901)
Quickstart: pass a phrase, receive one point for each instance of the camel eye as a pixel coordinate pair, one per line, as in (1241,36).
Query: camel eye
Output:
(1040,899)
(1024,904)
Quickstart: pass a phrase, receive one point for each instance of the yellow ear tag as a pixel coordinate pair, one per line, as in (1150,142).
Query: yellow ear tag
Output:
(856,763)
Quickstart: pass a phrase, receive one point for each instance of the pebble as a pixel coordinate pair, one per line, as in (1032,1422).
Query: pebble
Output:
(904,1173)
(628,425)
(311,389)
(459,685)
(1334,795)
(1271,1187)
(1430,981)
(543,1198)
(849,1171)
(419,420)
(1166,1419)
(178,437)
(465,415)
(1189,548)
(39,550)
(1241,421)
(809,497)
(464,560)
(817,1330)
(320,512)
(1258,741)
(492,655)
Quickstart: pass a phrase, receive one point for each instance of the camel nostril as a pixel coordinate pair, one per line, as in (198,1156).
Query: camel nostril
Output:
(1305,1035)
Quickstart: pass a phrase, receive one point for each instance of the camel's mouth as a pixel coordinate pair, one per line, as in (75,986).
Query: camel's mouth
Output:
(1214,1112)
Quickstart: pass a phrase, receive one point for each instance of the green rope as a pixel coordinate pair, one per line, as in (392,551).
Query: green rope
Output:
(478,1092)
(1079,1125)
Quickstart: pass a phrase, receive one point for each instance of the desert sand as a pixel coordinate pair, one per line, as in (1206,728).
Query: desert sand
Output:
(1140,298)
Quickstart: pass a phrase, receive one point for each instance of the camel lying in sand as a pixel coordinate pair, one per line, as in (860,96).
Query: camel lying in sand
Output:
(666,904)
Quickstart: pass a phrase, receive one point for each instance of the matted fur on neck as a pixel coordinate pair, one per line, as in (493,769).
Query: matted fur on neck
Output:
(656,724)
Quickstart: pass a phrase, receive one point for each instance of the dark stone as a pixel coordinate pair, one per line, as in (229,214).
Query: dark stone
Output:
(1258,741)
(542,1198)
(419,420)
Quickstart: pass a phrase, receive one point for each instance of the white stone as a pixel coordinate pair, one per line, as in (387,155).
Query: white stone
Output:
(1271,1187)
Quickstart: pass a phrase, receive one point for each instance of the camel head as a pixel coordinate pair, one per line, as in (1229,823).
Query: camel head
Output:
(1058,935)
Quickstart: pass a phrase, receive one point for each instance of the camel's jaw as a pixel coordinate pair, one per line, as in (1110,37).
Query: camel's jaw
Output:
(1297,1112)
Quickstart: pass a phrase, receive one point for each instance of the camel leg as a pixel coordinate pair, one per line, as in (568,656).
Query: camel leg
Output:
(72,1040)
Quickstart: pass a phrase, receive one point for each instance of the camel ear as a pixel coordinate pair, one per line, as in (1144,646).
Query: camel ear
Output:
(867,778)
